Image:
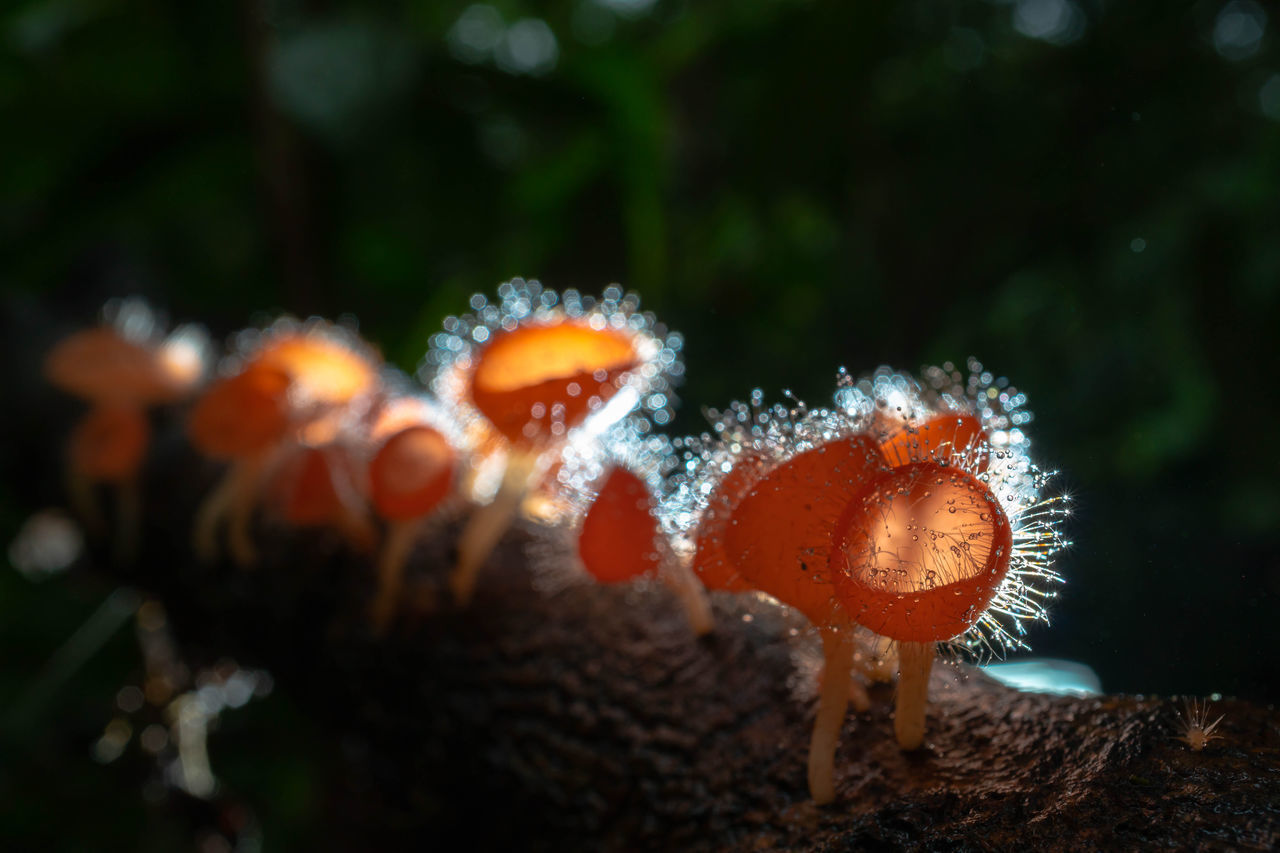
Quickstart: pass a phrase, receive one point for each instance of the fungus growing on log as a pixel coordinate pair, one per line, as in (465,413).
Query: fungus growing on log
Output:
(767,526)
(410,475)
(604,506)
(320,487)
(120,368)
(620,540)
(917,557)
(294,384)
(526,371)
(239,420)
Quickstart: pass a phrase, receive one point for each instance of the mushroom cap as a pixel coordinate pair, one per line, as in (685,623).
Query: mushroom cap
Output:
(305,489)
(411,473)
(242,414)
(100,365)
(712,565)
(619,536)
(937,439)
(109,444)
(313,486)
(326,370)
(779,535)
(527,379)
(918,555)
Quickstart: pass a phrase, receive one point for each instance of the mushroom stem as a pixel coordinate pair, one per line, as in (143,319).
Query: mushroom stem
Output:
(833,700)
(232,500)
(488,523)
(395,553)
(915,661)
(877,663)
(680,579)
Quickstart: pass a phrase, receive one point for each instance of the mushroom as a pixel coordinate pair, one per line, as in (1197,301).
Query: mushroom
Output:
(955,545)
(240,419)
(778,538)
(525,372)
(760,504)
(296,384)
(121,368)
(319,487)
(918,557)
(409,476)
(619,540)
(785,525)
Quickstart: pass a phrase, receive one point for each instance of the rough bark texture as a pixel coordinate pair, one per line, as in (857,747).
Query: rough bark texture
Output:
(591,718)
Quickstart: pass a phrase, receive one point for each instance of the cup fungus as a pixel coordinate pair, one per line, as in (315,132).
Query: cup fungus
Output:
(121,368)
(955,545)
(917,557)
(620,540)
(320,487)
(785,502)
(534,366)
(409,476)
(774,488)
(294,384)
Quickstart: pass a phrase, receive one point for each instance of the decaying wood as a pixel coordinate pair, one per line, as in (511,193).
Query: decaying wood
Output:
(591,718)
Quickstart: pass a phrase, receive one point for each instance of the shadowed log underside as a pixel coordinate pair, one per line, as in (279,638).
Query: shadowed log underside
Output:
(591,718)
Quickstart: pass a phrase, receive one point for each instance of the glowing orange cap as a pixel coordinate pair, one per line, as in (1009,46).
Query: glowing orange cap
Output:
(242,414)
(934,440)
(530,377)
(619,535)
(779,534)
(323,368)
(411,473)
(920,553)
(712,565)
(100,365)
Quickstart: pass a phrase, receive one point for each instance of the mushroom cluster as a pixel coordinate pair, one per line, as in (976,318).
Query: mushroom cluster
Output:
(904,518)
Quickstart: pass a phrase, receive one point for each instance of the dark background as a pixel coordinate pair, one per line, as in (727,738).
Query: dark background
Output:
(1083,195)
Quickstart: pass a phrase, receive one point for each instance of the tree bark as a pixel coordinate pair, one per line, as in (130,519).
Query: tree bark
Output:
(591,717)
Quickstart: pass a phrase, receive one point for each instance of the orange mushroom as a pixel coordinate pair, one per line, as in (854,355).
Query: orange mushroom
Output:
(299,384)
(317,487)
(120,368)
(620,540)
(917,557)
(410,475)
(713,566)
(534,367)
(939,438)
(778,539)
(240,419)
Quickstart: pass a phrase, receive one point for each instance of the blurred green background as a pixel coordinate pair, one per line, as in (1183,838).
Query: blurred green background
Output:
(1083,195)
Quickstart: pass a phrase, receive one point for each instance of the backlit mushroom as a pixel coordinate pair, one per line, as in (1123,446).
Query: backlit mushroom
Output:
(530,369)
(121,368)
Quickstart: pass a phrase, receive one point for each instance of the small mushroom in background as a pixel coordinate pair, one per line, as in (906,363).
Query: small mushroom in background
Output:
(609,491)
(121,369)
(320,487)
(240,419)
(296,385)
(412,472)
(529,370)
